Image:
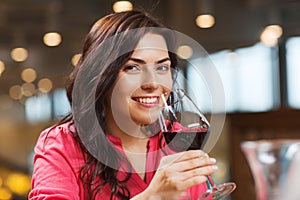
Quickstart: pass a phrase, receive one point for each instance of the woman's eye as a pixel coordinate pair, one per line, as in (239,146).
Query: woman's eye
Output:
(163,68)
(131,68)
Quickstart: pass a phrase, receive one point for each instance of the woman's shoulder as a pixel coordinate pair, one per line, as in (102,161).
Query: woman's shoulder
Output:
(58,137)
(57,163)
(62,131)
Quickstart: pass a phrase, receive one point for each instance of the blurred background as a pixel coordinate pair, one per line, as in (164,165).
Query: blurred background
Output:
(254,45)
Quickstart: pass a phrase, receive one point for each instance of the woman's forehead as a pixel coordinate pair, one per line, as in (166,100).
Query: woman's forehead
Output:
(152,41)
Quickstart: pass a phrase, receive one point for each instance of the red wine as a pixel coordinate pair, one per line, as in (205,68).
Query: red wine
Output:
(186,140)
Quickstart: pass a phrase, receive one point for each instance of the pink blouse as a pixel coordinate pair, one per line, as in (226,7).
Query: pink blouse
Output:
(58,160)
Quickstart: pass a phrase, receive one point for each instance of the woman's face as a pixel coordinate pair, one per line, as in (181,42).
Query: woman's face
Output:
(141,81)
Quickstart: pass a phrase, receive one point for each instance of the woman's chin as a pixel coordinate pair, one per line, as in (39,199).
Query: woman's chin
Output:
(144,122)
(146,119)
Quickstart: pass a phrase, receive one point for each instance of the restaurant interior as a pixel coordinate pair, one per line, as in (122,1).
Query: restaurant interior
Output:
(253,44)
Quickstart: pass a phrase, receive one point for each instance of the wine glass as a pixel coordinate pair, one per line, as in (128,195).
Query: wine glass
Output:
(184,127)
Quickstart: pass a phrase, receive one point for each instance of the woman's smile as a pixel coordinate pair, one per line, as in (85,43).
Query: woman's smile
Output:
(147,101)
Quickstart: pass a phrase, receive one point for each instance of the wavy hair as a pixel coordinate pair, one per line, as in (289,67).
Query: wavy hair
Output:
(97,174)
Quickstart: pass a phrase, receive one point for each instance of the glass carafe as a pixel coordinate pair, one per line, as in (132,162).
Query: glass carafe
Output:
(275,166)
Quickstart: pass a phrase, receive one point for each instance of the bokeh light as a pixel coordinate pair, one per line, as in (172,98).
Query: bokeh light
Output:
(75,59)
(52,39)
(28,89)
(15,92)
(18,183)
(5,194)
(45,85)
(185,52)
(28,75)
(121,6)
(2,67)
(271,34)
(19,54)
(205,21)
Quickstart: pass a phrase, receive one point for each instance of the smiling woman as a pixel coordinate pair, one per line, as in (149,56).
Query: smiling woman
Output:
(109,146)
(140,83)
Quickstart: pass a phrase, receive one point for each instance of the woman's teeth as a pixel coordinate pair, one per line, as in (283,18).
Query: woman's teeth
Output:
(147,100)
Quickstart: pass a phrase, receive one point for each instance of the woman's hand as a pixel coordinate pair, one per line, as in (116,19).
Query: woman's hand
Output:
(180,171)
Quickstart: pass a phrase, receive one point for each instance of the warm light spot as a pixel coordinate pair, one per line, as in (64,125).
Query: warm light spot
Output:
(205,21)
(28,75)
(269,41)
(121,6)
(52,39)
(2,67)
(19,54)
(45,85)
(75,59)
(15,92)
(5,194)
(28,89)
(270,35)
(185,52)
(18,183)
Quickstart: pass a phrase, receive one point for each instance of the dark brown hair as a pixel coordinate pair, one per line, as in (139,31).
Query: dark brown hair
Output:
(96,54)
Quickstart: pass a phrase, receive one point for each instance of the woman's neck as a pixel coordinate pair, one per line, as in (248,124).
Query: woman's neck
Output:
(135,146)
(134,138)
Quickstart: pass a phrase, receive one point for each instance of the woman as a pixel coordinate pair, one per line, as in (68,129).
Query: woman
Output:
(109,146)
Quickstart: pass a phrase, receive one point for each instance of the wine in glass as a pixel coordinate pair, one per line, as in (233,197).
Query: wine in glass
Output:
(184,127)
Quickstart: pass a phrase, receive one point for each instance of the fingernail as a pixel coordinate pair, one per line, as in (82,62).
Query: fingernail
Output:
(215,167)
(213,160)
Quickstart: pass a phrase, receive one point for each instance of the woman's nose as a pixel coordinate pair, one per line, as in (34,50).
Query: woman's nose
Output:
(149,81)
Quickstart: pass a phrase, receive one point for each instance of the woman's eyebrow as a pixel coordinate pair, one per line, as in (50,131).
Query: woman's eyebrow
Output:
(163,60)
(144,62)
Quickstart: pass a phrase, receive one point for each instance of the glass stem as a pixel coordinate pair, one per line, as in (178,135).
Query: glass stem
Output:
(209,183)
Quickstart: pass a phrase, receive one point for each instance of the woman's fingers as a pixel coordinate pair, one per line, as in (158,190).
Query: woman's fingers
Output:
(198,172)
(180,181)
(182,156)
(187,160)
(194,163)
(181,176)
(181,171)
(184,185)
(191,182)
